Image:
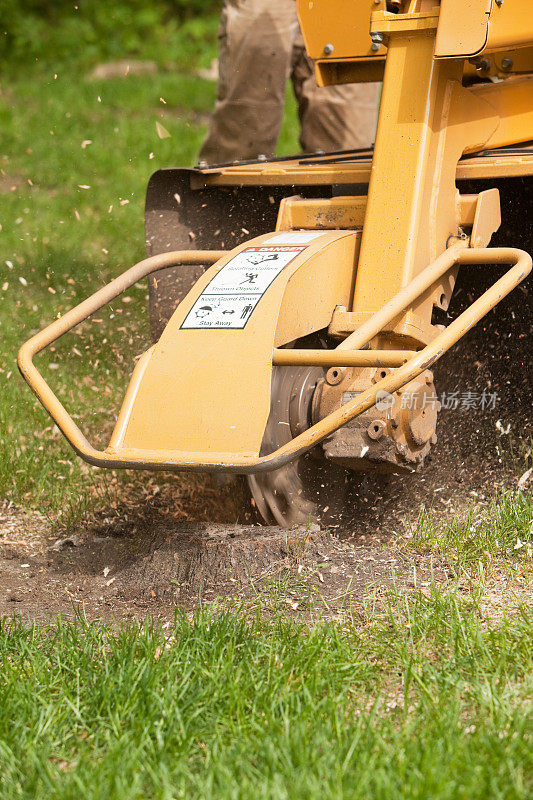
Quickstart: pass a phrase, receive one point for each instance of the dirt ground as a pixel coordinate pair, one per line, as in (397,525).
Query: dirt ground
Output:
(140,559)
(104,571)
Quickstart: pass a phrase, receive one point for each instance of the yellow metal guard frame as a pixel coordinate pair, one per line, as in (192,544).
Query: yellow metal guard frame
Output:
(416,363)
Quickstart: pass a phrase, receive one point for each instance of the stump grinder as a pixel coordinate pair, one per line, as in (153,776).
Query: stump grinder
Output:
(297,304)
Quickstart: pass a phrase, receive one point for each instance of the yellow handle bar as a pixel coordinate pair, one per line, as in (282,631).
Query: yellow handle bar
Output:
(232,462)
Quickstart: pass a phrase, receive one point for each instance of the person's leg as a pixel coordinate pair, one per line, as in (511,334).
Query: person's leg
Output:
(340,117)
(256,39)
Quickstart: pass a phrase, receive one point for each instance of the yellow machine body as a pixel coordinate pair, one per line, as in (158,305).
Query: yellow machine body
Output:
(211,412)
(347,38)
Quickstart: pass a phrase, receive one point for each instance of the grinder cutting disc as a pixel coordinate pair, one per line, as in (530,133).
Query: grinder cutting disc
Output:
(308,489)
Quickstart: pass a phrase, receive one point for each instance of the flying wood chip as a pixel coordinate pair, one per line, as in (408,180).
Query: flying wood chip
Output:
(162,131)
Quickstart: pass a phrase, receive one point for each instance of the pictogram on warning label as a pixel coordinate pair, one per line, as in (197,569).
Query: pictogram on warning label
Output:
(230,297)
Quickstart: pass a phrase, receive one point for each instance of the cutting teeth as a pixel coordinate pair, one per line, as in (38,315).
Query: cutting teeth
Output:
(310,488)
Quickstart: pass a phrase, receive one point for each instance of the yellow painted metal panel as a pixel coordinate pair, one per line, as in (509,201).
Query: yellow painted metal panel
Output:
(513,61)
(208,390)
(320,285)
(463,27)
(469,27)
(346,172)
(344,24)
(512,101)
(321,214)
(511,25)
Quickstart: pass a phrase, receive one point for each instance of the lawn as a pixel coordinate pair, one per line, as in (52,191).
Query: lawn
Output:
(423,699)
(75,159)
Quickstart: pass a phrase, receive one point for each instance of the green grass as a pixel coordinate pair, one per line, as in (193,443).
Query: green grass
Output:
(171,32)
(59,242)
(500,533)
(427,700)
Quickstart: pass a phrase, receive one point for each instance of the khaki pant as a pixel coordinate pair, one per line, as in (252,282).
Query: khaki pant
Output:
(261,46)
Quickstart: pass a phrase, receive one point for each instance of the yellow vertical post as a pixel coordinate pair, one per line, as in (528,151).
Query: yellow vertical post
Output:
(410,210)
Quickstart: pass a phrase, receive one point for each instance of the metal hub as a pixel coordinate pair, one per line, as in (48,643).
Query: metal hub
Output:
(395,435)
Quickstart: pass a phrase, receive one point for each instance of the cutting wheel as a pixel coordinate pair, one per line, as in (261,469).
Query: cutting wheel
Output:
(309,488)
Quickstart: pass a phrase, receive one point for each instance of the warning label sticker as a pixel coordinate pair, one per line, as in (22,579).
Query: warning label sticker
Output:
(230,297)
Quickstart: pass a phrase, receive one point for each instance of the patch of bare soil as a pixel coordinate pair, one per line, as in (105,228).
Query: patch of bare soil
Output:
(122,69)
(111,571)
(11,183)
